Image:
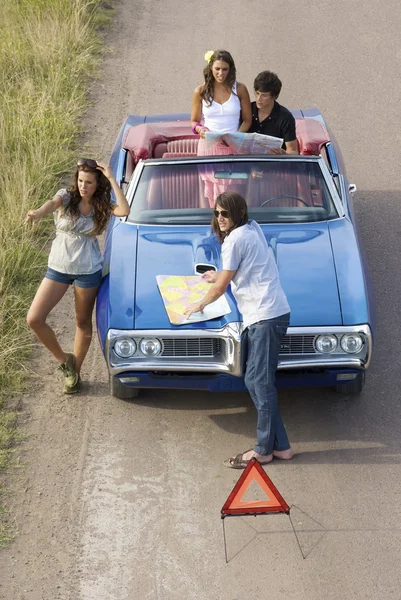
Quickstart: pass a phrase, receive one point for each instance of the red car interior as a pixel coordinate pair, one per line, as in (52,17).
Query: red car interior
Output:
(179,188)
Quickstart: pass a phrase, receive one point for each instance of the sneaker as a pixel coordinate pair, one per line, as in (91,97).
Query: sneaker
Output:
(71,377)
(74,389)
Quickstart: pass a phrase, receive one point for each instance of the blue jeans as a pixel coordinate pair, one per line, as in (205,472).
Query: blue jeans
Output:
(263,341)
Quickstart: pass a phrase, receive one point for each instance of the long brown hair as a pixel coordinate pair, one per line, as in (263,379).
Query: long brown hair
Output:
(207,91)
(237,210)
(101,199)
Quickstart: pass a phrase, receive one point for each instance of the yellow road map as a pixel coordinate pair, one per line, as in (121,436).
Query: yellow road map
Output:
(179,291)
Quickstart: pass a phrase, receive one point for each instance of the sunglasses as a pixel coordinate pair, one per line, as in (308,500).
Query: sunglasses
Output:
(88,162)
(224,213)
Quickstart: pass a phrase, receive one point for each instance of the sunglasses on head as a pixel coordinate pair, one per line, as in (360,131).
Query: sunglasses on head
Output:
(224,213)
(88,162)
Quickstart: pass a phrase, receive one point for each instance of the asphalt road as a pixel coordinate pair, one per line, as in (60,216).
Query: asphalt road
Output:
(121,501)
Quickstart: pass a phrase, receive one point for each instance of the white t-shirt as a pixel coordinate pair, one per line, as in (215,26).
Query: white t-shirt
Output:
(223,118)
(256,286)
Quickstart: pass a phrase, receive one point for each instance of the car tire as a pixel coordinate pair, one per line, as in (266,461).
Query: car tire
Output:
(121,391)
(353,387)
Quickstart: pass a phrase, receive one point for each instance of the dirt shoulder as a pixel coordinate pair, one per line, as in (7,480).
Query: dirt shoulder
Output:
(44,493)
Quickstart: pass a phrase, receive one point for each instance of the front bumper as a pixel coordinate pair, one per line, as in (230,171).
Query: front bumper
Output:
(217,382)
(213,358)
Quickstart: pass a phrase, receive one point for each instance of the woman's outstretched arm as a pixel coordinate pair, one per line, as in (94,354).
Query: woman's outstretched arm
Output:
(46,209)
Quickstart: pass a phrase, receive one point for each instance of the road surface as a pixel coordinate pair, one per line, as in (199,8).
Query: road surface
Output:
(120,500)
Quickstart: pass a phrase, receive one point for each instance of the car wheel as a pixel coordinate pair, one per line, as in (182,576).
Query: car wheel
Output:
(121,391)
(353,387)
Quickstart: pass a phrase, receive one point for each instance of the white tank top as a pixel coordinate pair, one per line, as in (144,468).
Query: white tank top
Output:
(223,118)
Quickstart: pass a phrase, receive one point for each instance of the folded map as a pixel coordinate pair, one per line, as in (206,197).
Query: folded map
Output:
(244,143)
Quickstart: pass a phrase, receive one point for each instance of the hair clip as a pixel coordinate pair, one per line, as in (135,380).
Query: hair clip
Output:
(209,55)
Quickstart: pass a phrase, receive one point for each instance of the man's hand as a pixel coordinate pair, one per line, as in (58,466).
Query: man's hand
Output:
(220,282)
(210,276)
(193,308)
(277,151)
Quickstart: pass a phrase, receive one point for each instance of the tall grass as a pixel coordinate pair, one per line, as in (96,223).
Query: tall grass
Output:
(48,51)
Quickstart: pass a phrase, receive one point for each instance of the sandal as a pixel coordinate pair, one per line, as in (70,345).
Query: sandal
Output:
(238,462)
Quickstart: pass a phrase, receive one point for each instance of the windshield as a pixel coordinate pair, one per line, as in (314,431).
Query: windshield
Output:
(275,191)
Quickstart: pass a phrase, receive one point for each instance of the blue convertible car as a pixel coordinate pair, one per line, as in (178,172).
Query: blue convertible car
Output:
(304,206)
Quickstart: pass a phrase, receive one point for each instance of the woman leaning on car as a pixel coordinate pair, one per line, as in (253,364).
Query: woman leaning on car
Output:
(81,212)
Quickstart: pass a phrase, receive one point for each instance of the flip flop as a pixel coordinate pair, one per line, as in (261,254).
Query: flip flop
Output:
(238,462)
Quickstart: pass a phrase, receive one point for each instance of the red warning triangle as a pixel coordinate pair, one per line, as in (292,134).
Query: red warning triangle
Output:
(274,502)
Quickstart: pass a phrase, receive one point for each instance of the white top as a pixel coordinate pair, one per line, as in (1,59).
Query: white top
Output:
(223,118)
(256,286)
(75,250)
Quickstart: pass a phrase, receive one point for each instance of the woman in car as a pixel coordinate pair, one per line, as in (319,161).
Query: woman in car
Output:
(81,212)
(222,105)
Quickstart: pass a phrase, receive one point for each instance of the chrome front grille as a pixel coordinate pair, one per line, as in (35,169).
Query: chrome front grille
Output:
(211,347)
(297,344)
(192,347)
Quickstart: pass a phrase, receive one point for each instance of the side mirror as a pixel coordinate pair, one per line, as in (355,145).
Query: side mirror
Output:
(352,188)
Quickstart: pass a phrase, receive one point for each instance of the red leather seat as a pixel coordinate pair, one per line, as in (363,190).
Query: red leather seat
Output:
(187,147)
(176,189)
(176,155)
(277,181)
(159,150)
(176,148)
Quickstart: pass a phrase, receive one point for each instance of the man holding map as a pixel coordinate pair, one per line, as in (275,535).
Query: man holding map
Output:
(273,126)
(269,117)
(249,265)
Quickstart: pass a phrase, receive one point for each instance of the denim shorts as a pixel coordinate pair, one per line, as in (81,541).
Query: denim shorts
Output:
(83,281)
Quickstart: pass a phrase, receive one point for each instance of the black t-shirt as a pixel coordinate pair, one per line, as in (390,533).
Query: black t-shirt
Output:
(280,123)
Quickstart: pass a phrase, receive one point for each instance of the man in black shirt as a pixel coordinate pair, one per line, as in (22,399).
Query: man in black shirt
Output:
(269,117)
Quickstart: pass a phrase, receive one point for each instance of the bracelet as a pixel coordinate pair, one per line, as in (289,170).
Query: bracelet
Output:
(195,126)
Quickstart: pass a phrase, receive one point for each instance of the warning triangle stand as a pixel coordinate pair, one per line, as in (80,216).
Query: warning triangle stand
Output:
(236,505)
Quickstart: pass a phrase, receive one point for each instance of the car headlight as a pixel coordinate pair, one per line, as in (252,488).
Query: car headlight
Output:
(125,347)
(351,343)
(326,343)
(150,346)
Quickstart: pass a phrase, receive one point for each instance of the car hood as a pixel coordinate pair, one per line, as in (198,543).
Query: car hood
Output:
(304,257)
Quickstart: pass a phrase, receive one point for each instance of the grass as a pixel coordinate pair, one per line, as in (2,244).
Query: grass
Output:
(49,50)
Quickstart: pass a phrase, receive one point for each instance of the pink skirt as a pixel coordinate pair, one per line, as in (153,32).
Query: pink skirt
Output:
(213,187)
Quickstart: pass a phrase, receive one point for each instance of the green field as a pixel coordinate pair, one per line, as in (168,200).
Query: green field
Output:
(49,50)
